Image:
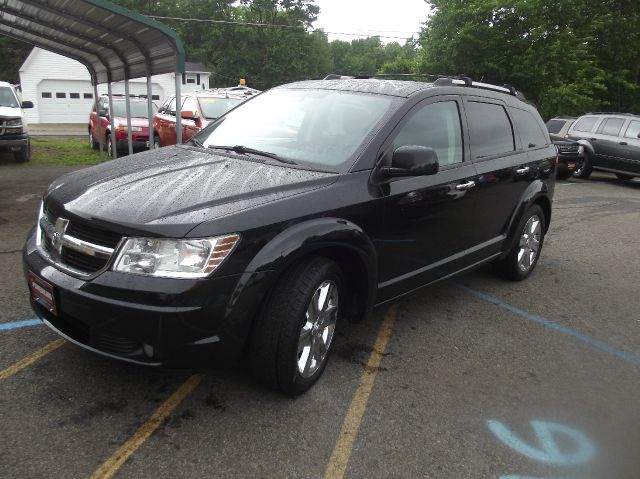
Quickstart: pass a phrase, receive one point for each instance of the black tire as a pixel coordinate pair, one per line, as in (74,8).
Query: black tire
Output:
(274,347)
(156,142)
(23,154)
(623,177)
(107,140)
(563,172)
(583,171)
(510,267)
(92,142)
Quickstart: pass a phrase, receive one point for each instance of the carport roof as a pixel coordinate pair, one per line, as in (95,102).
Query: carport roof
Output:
(112,42)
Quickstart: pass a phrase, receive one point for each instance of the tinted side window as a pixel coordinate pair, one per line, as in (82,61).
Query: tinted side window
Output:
(586,124)
(490,129)
(554,126)
(529,129)
(611,126)
(633,130)
(436,126)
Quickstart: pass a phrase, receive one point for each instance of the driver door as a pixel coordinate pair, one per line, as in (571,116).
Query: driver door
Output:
(428,218)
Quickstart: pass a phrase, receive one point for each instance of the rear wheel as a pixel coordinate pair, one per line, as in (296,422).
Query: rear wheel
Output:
(526,248)
(156,141)
(624,177)
(292,338)
(23,154)
(92,142)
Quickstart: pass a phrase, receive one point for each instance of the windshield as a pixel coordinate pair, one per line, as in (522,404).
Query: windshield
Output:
(138,109)
(7,98)
(213,108)
(319,128)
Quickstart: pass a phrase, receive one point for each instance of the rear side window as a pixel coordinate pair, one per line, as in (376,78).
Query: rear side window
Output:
(586,124)
(554,126)
(529,129)
(490,129)
(611,126)
(436,126)
(633,131)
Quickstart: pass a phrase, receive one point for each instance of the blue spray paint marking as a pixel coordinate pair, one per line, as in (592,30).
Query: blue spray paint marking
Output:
(594,343)
(20,324)
(547,450)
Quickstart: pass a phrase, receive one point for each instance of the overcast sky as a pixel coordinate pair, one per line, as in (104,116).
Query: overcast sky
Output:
(394,17)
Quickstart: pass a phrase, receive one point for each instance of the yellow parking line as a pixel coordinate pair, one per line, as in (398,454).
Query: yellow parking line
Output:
(342,450)
(32,358)
(115,462)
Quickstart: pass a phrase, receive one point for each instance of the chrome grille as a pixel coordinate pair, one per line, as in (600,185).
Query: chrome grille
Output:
(76,248)
(568,147)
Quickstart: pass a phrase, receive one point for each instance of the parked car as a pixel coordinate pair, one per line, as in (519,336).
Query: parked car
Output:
(139,123)
(611,143)
(306,206)
(14,134)
(198,110)
(570,153)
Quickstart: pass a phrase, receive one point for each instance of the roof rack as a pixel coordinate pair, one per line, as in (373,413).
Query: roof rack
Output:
(440,80)
(239,90)
(610,113)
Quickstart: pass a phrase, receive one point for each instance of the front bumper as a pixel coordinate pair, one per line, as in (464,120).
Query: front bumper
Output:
(14,141)
(152,321)
(141,143)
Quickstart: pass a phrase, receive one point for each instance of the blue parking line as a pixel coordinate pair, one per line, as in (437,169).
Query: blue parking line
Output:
(20,324)
(594,343)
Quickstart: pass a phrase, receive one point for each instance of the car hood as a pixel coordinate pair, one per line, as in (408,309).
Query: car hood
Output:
(176,185)
(10,112)
(121,120)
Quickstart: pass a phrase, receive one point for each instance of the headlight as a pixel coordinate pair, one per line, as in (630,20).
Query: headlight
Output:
(174,258)
(133,128)
(15,122)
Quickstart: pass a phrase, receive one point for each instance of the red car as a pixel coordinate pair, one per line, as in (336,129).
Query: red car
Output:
(139,124)
(198,110)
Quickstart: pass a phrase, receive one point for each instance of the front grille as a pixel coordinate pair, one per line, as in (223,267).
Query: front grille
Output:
(75,247)
(93,235)
(117,345)
(567,148)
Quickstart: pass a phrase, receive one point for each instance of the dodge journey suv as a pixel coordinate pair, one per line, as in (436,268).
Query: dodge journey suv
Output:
(303,207)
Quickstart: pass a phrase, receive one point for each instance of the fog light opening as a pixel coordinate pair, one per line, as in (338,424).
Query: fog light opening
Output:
(148,350)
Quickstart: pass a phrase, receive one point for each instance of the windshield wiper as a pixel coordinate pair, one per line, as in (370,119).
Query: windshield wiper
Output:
(243,150)
(196,143)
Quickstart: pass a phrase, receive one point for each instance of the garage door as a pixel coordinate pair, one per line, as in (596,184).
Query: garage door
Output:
(65,101)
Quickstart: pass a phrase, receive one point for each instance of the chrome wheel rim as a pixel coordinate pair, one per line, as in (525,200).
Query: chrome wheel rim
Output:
(317,332)
(530,243)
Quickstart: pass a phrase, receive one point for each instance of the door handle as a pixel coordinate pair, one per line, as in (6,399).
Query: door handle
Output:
(624,143)
(523,171)
(466,186)
(593,139)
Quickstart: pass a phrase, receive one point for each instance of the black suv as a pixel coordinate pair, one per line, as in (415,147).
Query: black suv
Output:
(611,142)
(308,204)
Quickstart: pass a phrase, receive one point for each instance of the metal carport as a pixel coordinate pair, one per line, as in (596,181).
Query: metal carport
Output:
(112,42)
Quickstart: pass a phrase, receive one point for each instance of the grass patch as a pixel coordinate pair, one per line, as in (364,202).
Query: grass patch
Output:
(62,151)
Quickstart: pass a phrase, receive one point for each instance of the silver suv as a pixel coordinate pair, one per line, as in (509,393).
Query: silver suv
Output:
(611,142)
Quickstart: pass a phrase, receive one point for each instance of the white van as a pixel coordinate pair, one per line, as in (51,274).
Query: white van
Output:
(13,127)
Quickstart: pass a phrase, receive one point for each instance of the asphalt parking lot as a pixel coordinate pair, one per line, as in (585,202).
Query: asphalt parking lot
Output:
(473,378)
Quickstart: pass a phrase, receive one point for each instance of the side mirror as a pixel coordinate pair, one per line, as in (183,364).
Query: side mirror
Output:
(188,115)
(27,104)
(412,160)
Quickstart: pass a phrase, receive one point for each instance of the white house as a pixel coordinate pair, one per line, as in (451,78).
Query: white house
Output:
(61,91)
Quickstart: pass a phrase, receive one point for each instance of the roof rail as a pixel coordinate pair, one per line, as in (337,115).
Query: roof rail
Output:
(610,113)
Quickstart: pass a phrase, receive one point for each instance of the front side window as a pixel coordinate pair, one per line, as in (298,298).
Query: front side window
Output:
(611,126)
(213,107)
(633,130)
(490,129)
(321,129)
(554,126)
(529,129)
(436,126)
(586,124)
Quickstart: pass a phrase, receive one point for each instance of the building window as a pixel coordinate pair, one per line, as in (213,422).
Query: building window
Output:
(46,94)
(198,78)
(61,95)
(155,97)
(88,96)
(74,95)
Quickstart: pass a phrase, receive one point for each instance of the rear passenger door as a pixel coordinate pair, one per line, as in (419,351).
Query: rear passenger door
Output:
(610,149)
(504,171)
(632,140)
(428,218)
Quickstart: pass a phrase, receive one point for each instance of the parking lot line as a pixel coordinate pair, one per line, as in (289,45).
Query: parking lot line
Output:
(115,462)
(344,446)
(32,358)
(20,324)
(594,343)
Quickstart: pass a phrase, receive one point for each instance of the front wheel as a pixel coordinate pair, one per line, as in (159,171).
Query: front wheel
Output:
(525,250)
(23,154)
(92,142)
(583,171)
(292,338)
(623,177)
(156,142)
